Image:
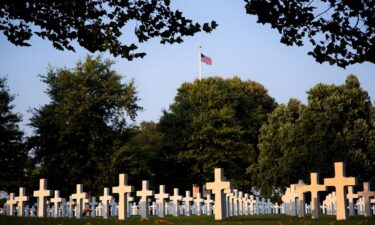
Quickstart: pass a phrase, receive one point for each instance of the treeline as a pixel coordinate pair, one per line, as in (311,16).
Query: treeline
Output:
(87,134)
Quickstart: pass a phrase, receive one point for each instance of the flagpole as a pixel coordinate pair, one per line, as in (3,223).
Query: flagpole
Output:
(200,62)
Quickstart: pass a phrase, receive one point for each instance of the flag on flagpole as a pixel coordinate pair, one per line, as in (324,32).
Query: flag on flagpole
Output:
(206,59)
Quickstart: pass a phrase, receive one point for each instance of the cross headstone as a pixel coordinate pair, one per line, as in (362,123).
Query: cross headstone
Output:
(240,201)
(56,200)
(70,204)
(198,203)
(106,198)
(229,202)
(351,196)
(366,194)
(160,200)
(123,189)
(314,188)
(208,203)
(26,211)
(42,194)
(175,198)
(187,199)
(218,187)
(114,211)
(340,182)
(11,202)
(145,193)
(99,209)
(93,205)
(21,199)
(134,209)
(79,196)
(153,208)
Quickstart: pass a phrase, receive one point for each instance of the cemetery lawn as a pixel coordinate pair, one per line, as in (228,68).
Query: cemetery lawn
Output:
(196,220)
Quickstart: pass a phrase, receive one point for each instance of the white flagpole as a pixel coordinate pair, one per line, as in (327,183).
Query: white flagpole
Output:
(200,63)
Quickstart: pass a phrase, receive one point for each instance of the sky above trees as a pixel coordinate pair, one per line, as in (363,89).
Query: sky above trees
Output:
(239,46)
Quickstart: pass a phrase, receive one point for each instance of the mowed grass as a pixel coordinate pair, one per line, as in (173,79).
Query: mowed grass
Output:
(196,220)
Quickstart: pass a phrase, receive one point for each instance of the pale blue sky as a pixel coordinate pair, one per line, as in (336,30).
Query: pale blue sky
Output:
(239,46)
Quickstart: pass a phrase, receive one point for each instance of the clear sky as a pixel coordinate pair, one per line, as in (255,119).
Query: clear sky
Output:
(239,46)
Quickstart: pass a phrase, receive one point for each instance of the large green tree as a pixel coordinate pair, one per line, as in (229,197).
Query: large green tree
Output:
(139,157)
(340,32)
(13,154)
(337,124)
(213,122)
(88,117)
(96,25)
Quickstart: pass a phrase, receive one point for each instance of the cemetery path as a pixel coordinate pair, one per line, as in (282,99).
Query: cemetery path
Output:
(192,220)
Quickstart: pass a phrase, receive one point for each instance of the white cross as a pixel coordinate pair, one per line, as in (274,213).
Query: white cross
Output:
(145,193)
(134,209)
(70,205)
(314,188)
(240,202)
(122,190)
(56,200)
(351,196)
(21,199)
(208,203)
(79,196)
(11,202)
(153,208)
(187,199)
(229,202)
(106,198)
(340,182)
(198,202)
(218,187)
(176,198)
(160,199)
(366,194)
(42,194)
(93,203)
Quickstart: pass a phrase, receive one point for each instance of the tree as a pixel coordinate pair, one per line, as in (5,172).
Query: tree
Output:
(213,122)
(342,32)
(95,25)
(139,157)
(336,125)
(13,155)
(89,116)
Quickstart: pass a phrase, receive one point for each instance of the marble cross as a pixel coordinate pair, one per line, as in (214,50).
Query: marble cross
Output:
(218,187)
(122,190)
(21,199)
(42,194)
(340,181)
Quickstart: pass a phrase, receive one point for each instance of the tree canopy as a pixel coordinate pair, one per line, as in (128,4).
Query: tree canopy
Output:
(213,122)
(13,154)
(341,32)
(75,135)
(337,124)
(95,25)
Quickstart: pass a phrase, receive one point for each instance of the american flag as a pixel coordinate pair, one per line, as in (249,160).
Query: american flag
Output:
(206,59)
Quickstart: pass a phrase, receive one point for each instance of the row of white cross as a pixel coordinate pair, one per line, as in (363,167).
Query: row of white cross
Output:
(228,202)
(295,193)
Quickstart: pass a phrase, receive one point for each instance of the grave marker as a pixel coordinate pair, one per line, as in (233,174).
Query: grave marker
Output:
(145,193)
(42,194)
(21,199)
(366,194)
(340,182)
(314,188)
(122,190)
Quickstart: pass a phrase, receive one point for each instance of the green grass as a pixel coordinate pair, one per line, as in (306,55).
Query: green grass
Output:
(196,220)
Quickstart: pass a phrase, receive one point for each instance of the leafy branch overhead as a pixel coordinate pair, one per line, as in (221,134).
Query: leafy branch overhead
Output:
(95,24)
(341,32)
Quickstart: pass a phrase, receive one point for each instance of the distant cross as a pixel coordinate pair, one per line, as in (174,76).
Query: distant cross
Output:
(11,202)
(79,196)
(198,202)
(235,202)
(123,189)
(229,208)
(160,199)
(70,205)
(106,199)
(314,188)
(175,198)
(373,209)
(240,202)
(56,200)
(340,182)
(208,203)
(277,208)
(366,194)
(93,204)
(134,209)
(187,199)
(21,199)
(42,194)
(351,196)
(218,187)
(153,208)
(145,193)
